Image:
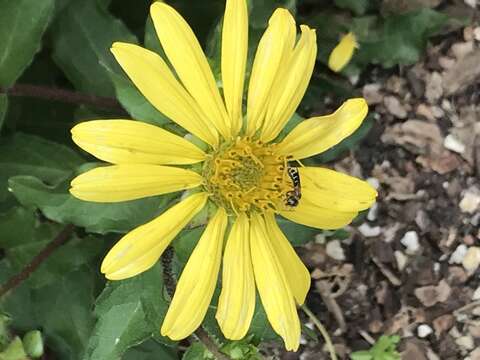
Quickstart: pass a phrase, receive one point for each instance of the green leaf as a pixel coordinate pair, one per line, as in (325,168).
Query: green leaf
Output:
(129,312)
(33,343)
(22,24)
(14,351)
(23,154)
(297,234)
(401,39)
(62,308)
(58,296)
(3,109)
(359,7)
(82,39)
(361,355)
(151,350)
(197,352)
(58,205)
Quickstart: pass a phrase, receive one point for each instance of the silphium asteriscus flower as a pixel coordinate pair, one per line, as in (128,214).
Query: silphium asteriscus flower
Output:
(242,171)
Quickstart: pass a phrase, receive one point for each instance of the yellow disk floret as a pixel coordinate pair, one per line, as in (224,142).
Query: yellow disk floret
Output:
(246,175)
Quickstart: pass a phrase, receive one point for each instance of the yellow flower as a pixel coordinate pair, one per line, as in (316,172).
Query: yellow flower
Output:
(342,53)
(244,172)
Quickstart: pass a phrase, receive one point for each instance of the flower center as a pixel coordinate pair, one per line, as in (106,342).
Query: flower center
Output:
(247,175)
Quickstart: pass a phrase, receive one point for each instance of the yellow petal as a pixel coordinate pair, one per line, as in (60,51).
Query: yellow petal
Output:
(140,249)
(290,85)
(197,282)
(333,190)
(315,135)
(237,299)
(273,53)
(134,142)
(310,214)
(272,284)
(152,76)
(297,274)
(342,53)
(234,58)
(131,181)
(185,54)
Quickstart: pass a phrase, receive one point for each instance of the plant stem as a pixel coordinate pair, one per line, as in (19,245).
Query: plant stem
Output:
(322,330)
(43,255)
(63,95)
(170,284)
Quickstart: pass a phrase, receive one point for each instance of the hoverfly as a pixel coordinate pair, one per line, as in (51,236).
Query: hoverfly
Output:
(294,196)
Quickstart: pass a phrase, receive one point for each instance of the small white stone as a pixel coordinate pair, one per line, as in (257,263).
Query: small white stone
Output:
(453,144)
(373,212)
(471,261)
(465,342)
(374,182)
(476,294)
(369,231)
(471,3)
(470,201)
(476,33)
(401,259)
(424,330)
(458,255)
(410,241)
(335,251)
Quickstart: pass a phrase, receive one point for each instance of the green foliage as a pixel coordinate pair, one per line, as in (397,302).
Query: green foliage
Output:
(66,44)
(197,352)
(398,40)
(58,205)
(58,297)
(22,24)
(33,343)
(359,7)
(3,109)
(241,350)
(128,312)
(383,349)
(92,40)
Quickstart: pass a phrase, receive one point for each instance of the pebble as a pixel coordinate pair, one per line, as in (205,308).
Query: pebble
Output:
(410,241)
(476,33)
(462,49)
(424,330)
(470,201)
(394,107)
(374,182)
(372,94)
(401,259)
(335,251)
(465,342)
(471,261)
(476,294)
(458,255)
(373,212)
(453,144)
(369,231)
(471,3)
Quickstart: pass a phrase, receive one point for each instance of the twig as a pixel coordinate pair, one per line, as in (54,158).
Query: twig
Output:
(322,330)
(170,284)
(17,279)
(387,272)
(326,293)
(63,95)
